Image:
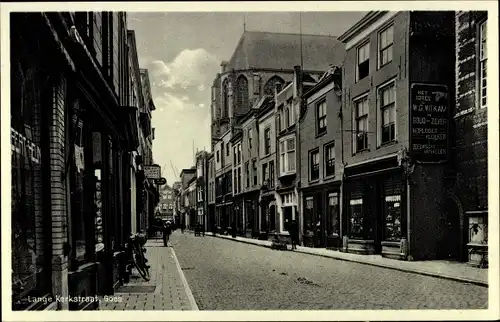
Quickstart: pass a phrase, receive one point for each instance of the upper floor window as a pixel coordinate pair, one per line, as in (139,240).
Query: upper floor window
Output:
(363,61)
(254,172)
(387,101)
(235,153)
(321,117)
(235,178)
(225,98)
(238,159)
(482,64)
(247,174)
(249,139)
(242,92)
(265,174)
(385,44)
(267,141)
(287,117)
(217,156)
(287,155)
(227,149)
(329,160)
(361,123)
(291,114)
(314,165)
(271,174)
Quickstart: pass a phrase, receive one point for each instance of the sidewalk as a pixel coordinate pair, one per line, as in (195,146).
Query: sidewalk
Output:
(442,269)
(166,290)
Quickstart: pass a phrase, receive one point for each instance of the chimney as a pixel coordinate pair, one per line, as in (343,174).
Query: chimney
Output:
(223,66)
(297,80)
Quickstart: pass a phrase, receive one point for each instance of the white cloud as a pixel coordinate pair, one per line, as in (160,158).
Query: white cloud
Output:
(172,103)
(189,68)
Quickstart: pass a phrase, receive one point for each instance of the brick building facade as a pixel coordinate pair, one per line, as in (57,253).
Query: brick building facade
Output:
(320,159)
(391,169)
(70,195)
(470,185)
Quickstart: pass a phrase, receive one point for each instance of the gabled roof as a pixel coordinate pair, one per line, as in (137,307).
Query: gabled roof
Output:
(270,50)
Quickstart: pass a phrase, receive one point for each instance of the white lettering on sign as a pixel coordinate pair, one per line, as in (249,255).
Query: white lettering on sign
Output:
(394,198)
(354,202)
(152,171)
(24,147)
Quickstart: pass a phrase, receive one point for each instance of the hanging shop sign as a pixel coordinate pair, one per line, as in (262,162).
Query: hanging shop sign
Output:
(161,181)
(429,123)
(152,171)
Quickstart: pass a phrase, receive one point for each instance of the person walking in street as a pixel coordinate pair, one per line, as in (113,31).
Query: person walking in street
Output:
(167,231)
(294,234)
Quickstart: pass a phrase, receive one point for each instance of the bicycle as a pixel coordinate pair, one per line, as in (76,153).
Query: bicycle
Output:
(135,254)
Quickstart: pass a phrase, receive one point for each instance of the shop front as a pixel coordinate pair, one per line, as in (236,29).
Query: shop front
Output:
(30,172)
(267,215)
(251,212)
(287,211)
(321,221)
(237,220)
(375,210)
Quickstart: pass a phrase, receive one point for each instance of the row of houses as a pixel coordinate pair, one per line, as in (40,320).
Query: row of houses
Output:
(81,135)
(374,142)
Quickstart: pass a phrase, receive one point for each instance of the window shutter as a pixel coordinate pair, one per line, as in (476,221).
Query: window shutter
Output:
(353,127)
(378,131)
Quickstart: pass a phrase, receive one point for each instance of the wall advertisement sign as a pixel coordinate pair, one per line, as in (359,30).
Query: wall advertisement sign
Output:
(152,171)
(429,123)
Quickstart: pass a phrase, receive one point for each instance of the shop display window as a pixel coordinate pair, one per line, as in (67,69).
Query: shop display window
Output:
(357,219)
(333,214)
(392,207)
(308,217)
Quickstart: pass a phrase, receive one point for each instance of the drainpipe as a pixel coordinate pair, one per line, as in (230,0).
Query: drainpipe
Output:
(299,92)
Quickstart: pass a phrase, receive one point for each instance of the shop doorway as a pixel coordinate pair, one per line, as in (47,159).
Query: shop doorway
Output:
(272,218)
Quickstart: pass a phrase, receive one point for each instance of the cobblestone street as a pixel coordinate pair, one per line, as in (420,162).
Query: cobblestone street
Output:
(226,275)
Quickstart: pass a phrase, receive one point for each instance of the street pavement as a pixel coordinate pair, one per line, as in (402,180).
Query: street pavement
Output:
(167,290)
(226,275)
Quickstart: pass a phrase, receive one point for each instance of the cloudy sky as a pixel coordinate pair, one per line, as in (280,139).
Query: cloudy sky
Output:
(183,52)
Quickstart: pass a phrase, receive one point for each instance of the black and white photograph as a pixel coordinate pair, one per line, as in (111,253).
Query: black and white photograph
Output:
(250,158)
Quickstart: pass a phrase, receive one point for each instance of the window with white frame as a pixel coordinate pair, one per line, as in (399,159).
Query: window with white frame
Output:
(314,165)
(361,120)
(235,178)
(239,153)
(321,117)
(387,103)
(267,141)
(363,61)
(385,45)
(235,153)
(287,155)
(329,159)
(291,115)
(249,139)
(482,64)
